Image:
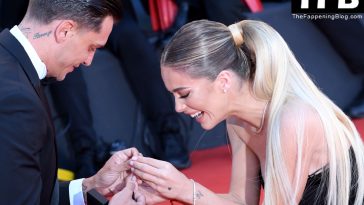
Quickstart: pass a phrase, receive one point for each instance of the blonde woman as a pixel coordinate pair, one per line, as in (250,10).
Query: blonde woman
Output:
(285,134)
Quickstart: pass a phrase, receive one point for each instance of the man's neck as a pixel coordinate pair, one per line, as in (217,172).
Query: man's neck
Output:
(31,51)
(34,33)
(40,36)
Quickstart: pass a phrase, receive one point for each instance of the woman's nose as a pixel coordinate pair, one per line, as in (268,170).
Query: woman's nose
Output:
(179,106)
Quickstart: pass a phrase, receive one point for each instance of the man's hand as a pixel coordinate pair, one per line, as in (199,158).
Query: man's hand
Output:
(110,178)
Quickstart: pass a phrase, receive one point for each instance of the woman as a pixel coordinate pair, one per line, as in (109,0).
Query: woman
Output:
(285,133)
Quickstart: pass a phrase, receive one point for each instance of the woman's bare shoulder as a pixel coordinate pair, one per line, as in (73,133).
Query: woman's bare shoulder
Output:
(298,113)
(301,119)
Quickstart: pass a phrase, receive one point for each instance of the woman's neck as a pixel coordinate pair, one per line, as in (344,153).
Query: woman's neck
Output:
(245,106)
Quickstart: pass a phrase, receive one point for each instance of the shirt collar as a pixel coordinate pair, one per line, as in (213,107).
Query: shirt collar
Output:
(39,66)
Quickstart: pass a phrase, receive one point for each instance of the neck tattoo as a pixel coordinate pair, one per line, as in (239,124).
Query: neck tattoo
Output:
(260,128)
(41,35)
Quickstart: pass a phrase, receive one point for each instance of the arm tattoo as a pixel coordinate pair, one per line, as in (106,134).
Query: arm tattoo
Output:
(41,35)
(199,194)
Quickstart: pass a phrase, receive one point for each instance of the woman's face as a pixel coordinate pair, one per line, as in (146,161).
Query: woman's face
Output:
(202,99)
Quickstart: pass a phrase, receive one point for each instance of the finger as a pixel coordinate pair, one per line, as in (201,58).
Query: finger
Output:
(118,162)
(122,187)
(148,178)
(125,195)
(119,184)
(139,198)
(129,188)
(124,155)
(152,162)
(148,164)
(141,169)
(131,152)
(127,192)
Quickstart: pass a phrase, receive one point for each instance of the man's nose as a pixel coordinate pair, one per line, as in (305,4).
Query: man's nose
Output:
(89,59)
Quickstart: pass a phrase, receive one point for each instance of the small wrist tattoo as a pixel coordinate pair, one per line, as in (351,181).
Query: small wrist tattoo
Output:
(199,194)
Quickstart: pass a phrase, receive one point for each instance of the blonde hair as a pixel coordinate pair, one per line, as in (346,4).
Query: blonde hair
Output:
(205,48)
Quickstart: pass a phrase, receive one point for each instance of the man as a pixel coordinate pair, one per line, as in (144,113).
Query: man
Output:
(71,103)
(54,37)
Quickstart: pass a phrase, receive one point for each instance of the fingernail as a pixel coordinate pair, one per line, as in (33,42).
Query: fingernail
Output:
(131,163)
(134,158)
(133,178)
(132,169)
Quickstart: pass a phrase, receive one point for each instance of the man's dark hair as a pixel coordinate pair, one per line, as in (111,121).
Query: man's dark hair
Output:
(87,13)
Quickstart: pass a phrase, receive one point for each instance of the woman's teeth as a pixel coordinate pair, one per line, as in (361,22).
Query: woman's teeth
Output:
(197,115)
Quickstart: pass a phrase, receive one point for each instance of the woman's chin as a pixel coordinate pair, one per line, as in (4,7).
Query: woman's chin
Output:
(207,126)
(210,124)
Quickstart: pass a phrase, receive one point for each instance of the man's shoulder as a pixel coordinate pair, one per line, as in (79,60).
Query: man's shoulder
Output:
(9,49)
(11,73)
(7,61)
(13,81)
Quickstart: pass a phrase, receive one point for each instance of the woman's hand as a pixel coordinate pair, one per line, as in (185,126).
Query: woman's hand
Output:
(151,195)
(162,177)
(129,195)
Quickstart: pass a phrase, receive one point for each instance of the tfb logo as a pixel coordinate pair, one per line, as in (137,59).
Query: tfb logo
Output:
(342,4)
(327,6)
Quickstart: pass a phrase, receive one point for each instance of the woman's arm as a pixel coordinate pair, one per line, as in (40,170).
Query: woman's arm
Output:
(168,182)
(245,182)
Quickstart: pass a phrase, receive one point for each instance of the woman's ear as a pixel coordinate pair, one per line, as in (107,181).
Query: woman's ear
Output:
(224,80)
(65,30)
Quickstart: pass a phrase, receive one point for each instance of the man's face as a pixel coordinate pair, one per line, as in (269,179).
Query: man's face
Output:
(79,49)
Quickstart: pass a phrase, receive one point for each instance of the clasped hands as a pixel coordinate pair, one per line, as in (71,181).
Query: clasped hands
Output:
(114,180)
(131,179)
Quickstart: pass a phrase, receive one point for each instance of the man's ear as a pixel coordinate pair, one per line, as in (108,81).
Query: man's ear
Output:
(224,80)
(65,30)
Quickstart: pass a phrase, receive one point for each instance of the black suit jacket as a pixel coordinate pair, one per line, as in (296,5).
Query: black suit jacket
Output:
(28,154)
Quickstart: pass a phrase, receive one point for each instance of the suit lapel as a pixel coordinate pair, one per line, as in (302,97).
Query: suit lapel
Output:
(12,45)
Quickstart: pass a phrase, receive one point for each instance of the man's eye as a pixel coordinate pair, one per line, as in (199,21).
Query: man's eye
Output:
(185,95)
